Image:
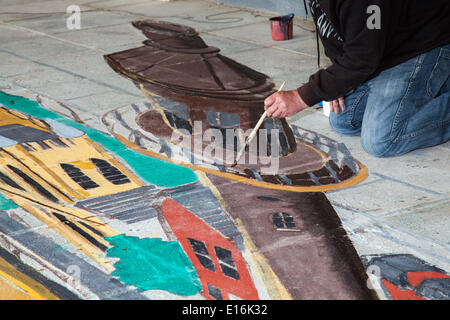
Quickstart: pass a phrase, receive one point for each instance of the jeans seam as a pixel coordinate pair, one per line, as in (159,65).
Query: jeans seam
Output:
(434,72)
(417,68)
(423,130)
(355,105)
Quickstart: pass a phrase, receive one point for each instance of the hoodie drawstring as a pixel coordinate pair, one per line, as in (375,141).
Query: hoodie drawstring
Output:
(317,35)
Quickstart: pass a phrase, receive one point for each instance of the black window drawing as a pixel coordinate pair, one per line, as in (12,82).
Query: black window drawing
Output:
(214,292)
(110,172)
(202,254)
(78,176)
(226,262)
(284,221)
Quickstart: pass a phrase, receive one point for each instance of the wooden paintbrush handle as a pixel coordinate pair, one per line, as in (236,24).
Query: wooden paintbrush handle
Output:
(255,130)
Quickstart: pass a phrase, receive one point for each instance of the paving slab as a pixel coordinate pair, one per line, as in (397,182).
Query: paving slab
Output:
(260,33)
(421,168)
(203,15)
(106,38)
(430,221)
(90,66)
(13,10)
(275,62)
(227,46)
(71,90)
(41,47)
(48,76)
(113,3)
(98,104)
(13,64)
(372,237)
(305,44)
(10,34)
(383,196)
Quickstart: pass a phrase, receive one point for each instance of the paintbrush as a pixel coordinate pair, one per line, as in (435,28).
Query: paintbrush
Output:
(253,133)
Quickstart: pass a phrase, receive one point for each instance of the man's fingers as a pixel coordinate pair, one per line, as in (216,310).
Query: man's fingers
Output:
(271,110)
(342,103)
(274,109)
(336,107)
(333,105)
(277,114)
(270,101)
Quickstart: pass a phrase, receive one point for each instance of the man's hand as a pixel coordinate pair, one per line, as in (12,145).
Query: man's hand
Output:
(336,104)
(284,104)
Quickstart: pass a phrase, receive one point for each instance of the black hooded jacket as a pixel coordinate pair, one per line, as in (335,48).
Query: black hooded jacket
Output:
(364,37)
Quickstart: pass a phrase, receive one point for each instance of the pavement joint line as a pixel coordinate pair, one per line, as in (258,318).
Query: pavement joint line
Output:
(34,15)
(68,102)
(390,213)
(251,23)
(39,93)
(53,37)
(70,73)
(223,28)
(25,19)
(85,96)
(409,184)
(93,27)
(356,186)
(400,211)
(89,4)
(263,46)
(137,15)
(342,206)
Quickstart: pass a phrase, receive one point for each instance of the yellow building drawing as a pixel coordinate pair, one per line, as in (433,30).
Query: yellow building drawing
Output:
(45,167)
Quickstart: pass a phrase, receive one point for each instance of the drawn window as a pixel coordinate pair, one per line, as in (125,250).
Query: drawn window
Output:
(10,182)
(214,292)
(78,176)
(284,221)
(110,172)
(202,254)
(226,262)
(33,183)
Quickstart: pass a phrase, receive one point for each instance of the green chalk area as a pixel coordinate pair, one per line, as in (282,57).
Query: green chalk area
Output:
(6,204)
(153,264)
(151,170)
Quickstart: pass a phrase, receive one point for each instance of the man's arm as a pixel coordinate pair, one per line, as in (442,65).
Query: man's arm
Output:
(362,53)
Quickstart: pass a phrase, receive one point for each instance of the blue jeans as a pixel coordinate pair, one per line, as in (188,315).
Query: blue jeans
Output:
(404,108)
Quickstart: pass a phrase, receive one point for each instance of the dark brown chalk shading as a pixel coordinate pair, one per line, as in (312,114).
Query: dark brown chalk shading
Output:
(302,238)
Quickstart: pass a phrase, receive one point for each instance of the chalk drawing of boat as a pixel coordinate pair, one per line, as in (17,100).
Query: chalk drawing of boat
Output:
(191,89)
